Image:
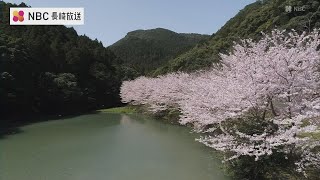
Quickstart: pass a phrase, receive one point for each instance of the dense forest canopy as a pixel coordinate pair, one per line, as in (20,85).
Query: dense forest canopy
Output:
(146,50)
(51,69)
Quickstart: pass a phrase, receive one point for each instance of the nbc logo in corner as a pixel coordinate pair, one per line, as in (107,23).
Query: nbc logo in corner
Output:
(18,16)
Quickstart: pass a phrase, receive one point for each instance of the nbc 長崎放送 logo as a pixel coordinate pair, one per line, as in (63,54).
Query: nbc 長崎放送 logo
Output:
(18,16)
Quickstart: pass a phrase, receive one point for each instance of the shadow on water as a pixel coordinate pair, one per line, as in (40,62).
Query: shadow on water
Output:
(162,126)
(13,125)
(6,131)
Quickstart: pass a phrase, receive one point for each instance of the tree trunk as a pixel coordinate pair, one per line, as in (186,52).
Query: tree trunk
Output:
(272,107)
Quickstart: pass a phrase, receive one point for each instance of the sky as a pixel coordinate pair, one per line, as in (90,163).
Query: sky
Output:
(111,20)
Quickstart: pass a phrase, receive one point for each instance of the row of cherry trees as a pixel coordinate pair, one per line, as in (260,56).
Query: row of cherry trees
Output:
(274,81)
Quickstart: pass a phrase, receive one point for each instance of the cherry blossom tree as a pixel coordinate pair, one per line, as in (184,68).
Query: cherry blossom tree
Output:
(275,80)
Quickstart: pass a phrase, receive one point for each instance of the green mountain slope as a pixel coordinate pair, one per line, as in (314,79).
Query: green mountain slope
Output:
(50,69)
(248,23)
(146,50)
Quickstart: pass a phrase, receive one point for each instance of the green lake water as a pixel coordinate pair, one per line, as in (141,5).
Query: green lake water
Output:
(106,146)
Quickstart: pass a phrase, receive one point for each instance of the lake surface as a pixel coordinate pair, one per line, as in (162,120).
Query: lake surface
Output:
(106,146)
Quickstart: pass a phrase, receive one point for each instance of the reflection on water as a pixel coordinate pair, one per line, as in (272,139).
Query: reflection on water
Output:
(106,146)
(125,120)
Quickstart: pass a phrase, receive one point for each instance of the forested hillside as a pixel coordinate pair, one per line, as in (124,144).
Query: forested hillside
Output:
(146,50)
(263,15)
(51,69)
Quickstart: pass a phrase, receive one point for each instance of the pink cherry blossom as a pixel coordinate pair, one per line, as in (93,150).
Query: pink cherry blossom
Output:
(279,75)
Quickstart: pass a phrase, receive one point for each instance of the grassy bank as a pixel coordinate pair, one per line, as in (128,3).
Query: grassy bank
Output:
(124,110)
(168,116)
